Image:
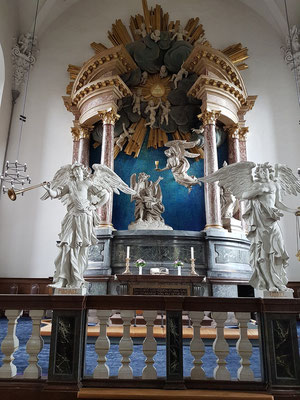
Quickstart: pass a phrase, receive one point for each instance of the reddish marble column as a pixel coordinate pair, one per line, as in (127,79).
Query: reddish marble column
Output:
(243,143)
(109,118)
(81,143)
(233,144)
(211,190)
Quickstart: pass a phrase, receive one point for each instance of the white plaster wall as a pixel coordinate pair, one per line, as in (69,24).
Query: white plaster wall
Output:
(8,29)
(29,227)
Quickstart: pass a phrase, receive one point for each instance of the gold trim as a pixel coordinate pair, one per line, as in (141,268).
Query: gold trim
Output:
(81,131)
(214,226)
(233,131)
(109,116)
(209,117)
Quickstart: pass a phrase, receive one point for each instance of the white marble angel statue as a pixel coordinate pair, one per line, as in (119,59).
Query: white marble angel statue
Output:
(178,163)
(126,134)
(176,78)
(82,193)
(263,191)
(151,110)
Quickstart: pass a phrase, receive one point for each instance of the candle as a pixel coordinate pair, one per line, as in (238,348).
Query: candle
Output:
(156,164)
(128,251)
(192,252)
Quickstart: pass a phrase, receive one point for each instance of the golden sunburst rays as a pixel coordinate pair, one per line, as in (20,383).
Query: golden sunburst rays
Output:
(155,89)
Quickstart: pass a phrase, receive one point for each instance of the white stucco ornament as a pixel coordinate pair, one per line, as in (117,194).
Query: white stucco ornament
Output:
(24,54)
(292,52)
(262,192)
(81,193)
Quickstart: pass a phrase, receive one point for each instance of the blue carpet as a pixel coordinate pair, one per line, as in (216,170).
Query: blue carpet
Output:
(23,333)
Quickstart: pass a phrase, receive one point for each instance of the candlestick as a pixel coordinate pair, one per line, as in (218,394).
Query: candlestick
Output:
(192,252)
(127,270)
(193,271)
(156,164)
(128,251)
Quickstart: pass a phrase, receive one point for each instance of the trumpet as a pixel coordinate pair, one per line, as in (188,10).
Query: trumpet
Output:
(12,194)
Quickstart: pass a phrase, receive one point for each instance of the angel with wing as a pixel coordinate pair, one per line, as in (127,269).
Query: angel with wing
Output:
(82,193)
(262,191)
(178,163)
(148,203)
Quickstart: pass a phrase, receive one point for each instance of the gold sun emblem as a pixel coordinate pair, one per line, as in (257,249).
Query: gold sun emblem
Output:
(156,88)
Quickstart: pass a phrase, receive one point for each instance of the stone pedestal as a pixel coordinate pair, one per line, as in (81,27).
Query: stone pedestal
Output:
(277,295)
(69,291)
(232,224)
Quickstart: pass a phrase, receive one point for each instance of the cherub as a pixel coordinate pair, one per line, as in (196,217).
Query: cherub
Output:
(136,101)
(166,108)
(263,192)
(163,73)
(120,140)
(82,193)
(179,76)
(151,109)
(178,163)
(155,35)
(144,77)
(142,31)
(179,35)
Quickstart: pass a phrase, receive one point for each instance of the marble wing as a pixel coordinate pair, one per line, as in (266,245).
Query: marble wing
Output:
(288,182)
(237,178)
(106,178)
(180,147)
(133,184)
(59,181)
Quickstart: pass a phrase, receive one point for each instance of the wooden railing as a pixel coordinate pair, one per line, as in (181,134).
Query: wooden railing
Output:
(277,341)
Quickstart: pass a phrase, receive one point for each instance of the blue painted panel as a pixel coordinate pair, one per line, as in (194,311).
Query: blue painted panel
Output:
(183,210)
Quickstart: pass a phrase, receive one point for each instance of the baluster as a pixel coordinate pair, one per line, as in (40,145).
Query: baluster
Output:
(9,345)
(244,348)
(102,346)
(34,346)
(197,347)
(126,346)
(149,346)
(220,347)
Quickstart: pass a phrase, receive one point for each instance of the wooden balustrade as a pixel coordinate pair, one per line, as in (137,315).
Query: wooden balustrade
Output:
(275,318)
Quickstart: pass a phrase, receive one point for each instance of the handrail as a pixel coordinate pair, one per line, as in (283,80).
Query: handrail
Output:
(184,303)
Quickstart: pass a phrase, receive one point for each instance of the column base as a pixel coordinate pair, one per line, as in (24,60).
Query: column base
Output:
(105,226)
(216,226)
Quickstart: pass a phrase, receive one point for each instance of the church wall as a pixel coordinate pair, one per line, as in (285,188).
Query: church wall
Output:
(29,227)
(8,30)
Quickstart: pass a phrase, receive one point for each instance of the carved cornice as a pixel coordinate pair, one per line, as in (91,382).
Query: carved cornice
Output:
(81,131)
(216,57)
(243,132)
(209,117)
(217,83)
(109,116)
(101,84)
(115,60)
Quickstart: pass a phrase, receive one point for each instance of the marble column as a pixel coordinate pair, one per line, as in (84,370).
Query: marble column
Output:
(81,143)
(243,143)
(211,190)
(233,143)
(109,118)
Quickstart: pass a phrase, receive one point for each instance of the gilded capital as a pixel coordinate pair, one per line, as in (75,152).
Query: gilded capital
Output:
(233,131)
(109,116)
(243,133)
(81,132)
(209,117)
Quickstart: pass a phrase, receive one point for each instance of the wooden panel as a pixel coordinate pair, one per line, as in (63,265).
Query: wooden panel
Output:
(131,394)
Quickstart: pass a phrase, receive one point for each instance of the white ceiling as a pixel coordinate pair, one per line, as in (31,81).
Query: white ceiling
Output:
(272,11)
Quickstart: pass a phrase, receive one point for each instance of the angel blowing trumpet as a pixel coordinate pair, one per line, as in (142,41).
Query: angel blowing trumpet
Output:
(262,191)
(82,193)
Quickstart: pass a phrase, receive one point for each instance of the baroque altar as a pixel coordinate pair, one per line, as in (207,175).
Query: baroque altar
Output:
(163,104)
